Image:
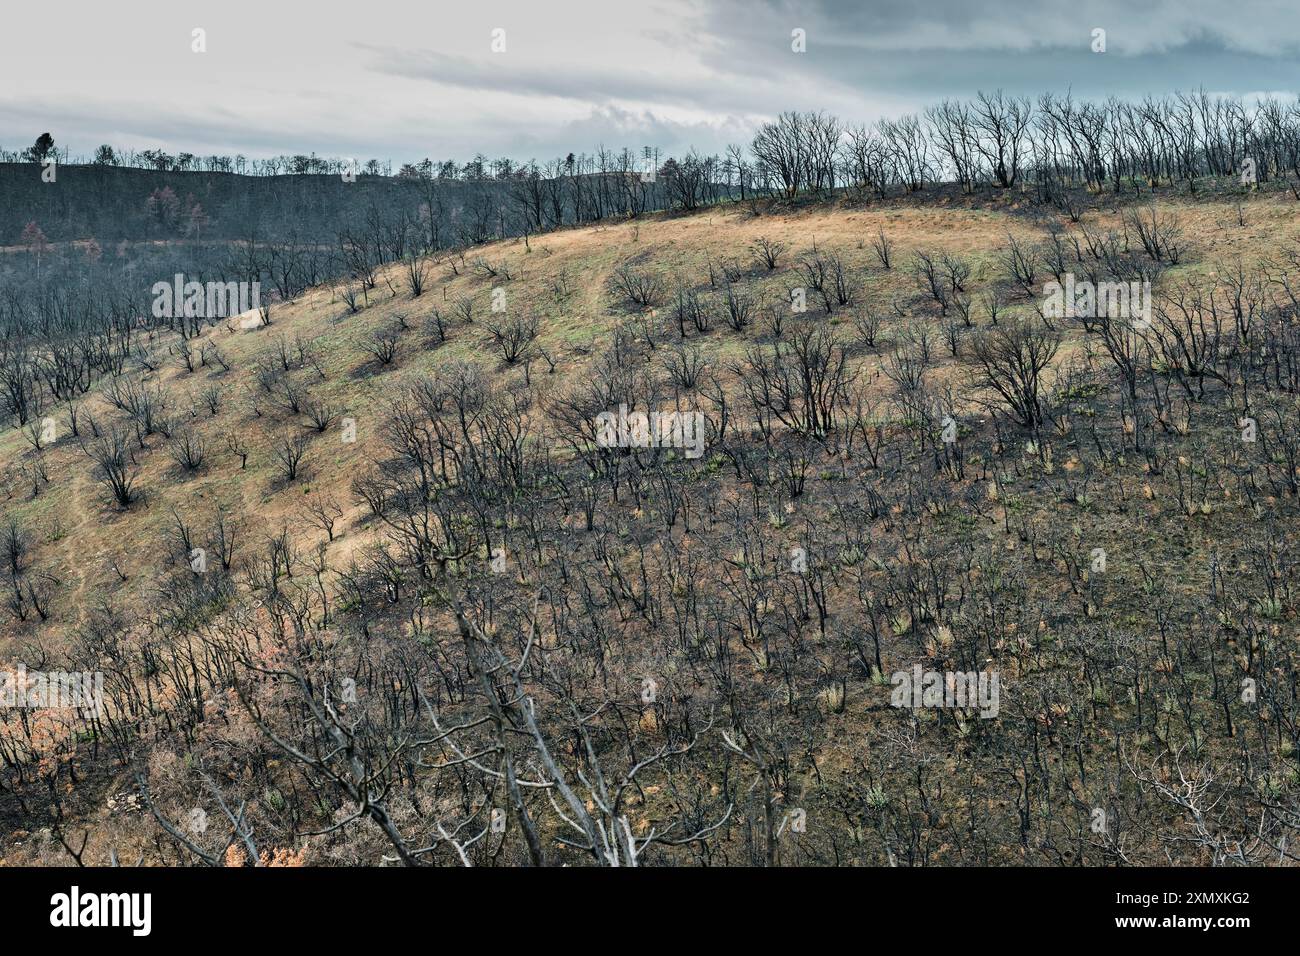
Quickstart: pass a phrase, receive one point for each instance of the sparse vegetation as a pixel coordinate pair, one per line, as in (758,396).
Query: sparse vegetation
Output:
(368,577)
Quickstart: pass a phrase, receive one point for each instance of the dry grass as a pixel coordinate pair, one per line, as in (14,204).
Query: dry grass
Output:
(81,536)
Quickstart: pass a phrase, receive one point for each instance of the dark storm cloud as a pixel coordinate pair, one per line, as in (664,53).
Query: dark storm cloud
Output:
(924,50)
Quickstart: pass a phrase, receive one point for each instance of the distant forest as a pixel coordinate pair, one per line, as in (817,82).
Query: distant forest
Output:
(85,241)
(313,199)
(1046,145)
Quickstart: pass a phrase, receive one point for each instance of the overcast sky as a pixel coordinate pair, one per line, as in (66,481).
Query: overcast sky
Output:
(404,80)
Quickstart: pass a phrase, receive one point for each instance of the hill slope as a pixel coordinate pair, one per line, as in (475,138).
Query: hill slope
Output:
(457,603)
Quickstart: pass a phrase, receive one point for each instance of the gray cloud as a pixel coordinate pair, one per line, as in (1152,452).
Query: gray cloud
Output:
(503,75)
(404,80)
(953,47)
